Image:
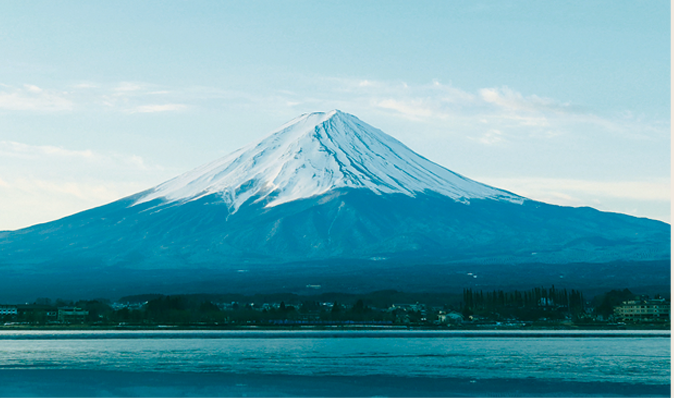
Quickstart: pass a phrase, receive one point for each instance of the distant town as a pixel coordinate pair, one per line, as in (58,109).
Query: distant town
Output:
(535,308)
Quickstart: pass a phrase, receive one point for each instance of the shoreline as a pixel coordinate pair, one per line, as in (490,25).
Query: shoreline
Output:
(69,334)
(364,327)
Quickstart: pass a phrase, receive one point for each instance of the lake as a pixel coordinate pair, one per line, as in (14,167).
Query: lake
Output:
(334,363)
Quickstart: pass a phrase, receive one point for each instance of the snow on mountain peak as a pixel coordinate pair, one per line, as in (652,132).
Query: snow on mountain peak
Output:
(313,154)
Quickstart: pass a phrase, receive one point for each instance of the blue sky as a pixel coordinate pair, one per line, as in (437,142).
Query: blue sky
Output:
(565,102)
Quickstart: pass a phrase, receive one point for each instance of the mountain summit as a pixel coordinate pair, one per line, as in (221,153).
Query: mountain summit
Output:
(316,153)
(328,200)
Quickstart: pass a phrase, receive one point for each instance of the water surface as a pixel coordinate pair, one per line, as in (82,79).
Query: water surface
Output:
(378,363)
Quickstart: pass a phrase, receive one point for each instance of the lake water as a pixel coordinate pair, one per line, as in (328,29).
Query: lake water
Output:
(340,363)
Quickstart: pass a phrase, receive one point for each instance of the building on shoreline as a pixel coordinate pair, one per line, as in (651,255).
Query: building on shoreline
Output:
(72,315)
(644,309)
(8,310)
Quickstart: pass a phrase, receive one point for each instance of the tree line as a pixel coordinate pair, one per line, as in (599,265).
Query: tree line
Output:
(534,303)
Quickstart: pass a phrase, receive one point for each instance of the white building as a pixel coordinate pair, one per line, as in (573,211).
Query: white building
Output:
(8,310)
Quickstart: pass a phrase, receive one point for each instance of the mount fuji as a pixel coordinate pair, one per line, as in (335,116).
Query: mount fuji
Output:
(329,201)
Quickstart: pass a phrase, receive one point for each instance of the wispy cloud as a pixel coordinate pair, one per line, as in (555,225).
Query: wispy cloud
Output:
(488,116)
(410,109)
(51,181)
(43,154)
(65,196)
(507,98)
(649,198)
(514,114)
(476,112)
(17,149)
(159,108)
(33,98)
(492,136)
(126,97)
(128,87)
(86,85)
(570,190)
(442,101)
(88,191)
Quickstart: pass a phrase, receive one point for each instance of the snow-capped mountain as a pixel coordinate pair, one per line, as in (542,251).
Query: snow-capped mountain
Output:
(328,200)
(316,153)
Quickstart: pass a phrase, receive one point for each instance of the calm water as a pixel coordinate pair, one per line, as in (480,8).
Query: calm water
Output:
(615,363)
